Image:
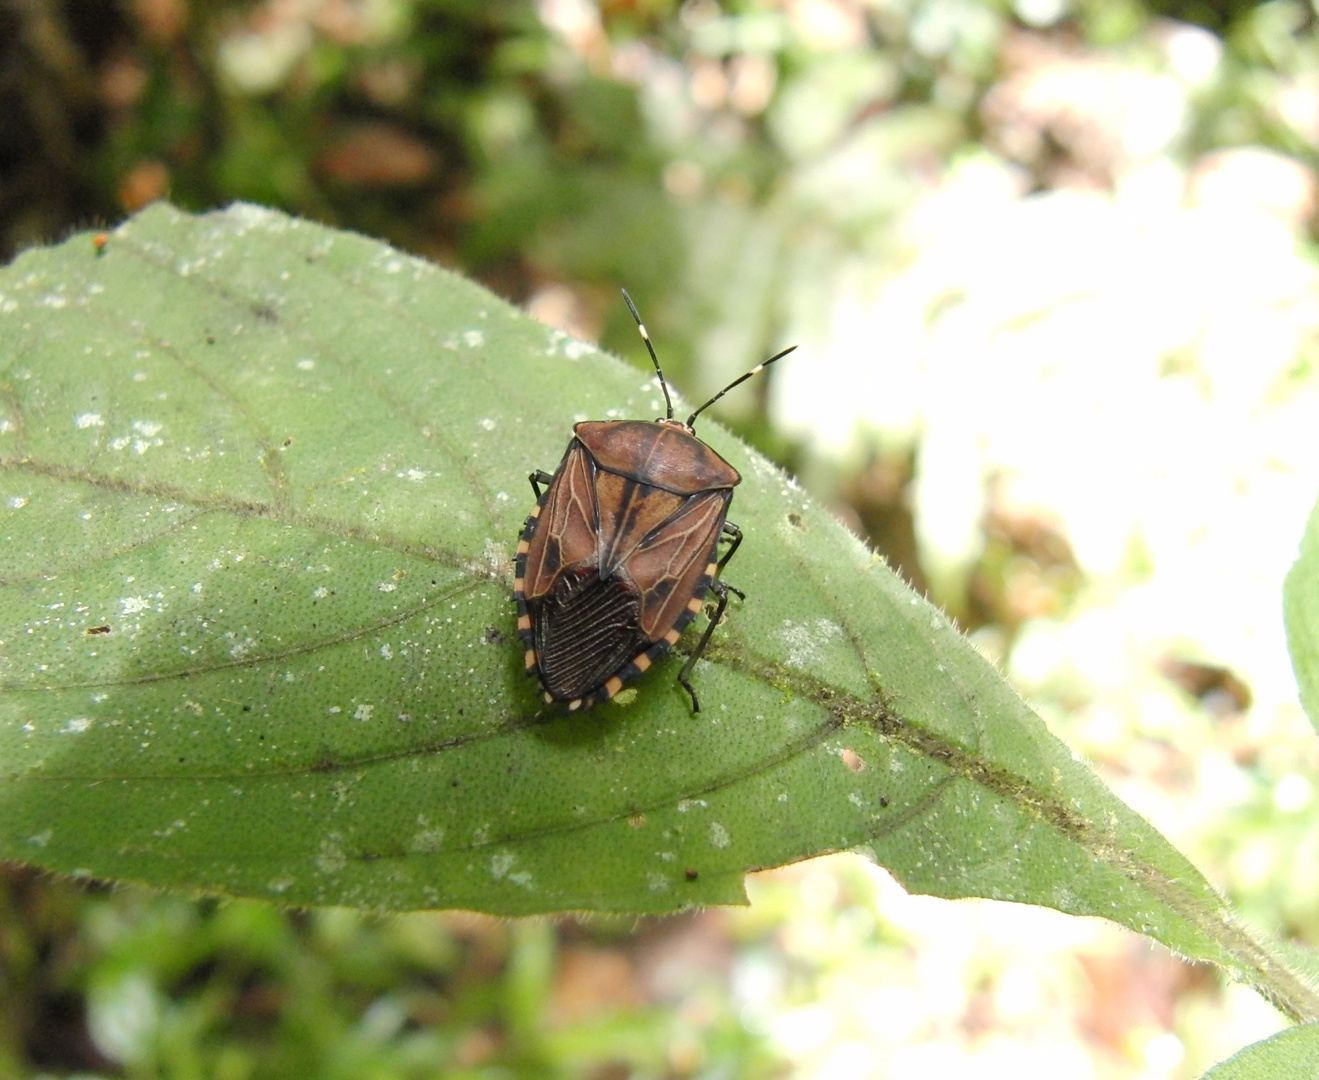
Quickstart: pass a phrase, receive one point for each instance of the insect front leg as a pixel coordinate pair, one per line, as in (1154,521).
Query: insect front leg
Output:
(733,535)
(538,477)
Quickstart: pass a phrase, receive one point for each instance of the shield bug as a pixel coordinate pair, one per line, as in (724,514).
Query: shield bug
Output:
(621,548)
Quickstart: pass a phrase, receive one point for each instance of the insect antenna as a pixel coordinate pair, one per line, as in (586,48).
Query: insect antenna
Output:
(738,382)
(668,402)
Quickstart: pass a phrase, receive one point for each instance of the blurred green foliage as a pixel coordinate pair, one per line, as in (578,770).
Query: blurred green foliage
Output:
(132,984)
(719,159)
(648,143)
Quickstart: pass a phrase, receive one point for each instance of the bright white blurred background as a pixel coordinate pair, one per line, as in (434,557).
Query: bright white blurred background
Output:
(1076,349)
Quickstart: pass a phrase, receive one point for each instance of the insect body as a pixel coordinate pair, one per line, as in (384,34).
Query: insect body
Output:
(621,548)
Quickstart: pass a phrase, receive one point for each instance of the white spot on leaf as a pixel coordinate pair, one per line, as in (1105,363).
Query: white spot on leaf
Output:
(426,841)
(807,642)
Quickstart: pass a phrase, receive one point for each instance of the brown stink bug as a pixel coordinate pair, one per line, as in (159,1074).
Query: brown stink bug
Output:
(621,548)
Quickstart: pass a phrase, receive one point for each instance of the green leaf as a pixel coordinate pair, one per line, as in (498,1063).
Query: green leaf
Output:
(1290,1055)
(262,482)
(1300,602)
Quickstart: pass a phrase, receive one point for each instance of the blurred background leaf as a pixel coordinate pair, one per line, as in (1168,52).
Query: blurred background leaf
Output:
(1050,265)
(1301,604)
(1289,1053)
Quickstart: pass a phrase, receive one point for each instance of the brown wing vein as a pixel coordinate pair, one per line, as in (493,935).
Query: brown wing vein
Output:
(567,530)
(670,563)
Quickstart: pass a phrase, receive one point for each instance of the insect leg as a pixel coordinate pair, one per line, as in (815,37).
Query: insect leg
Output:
(540,476)
(734,536)
(721,591)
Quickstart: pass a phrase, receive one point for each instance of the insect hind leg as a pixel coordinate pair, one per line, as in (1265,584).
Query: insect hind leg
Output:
(721,591)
